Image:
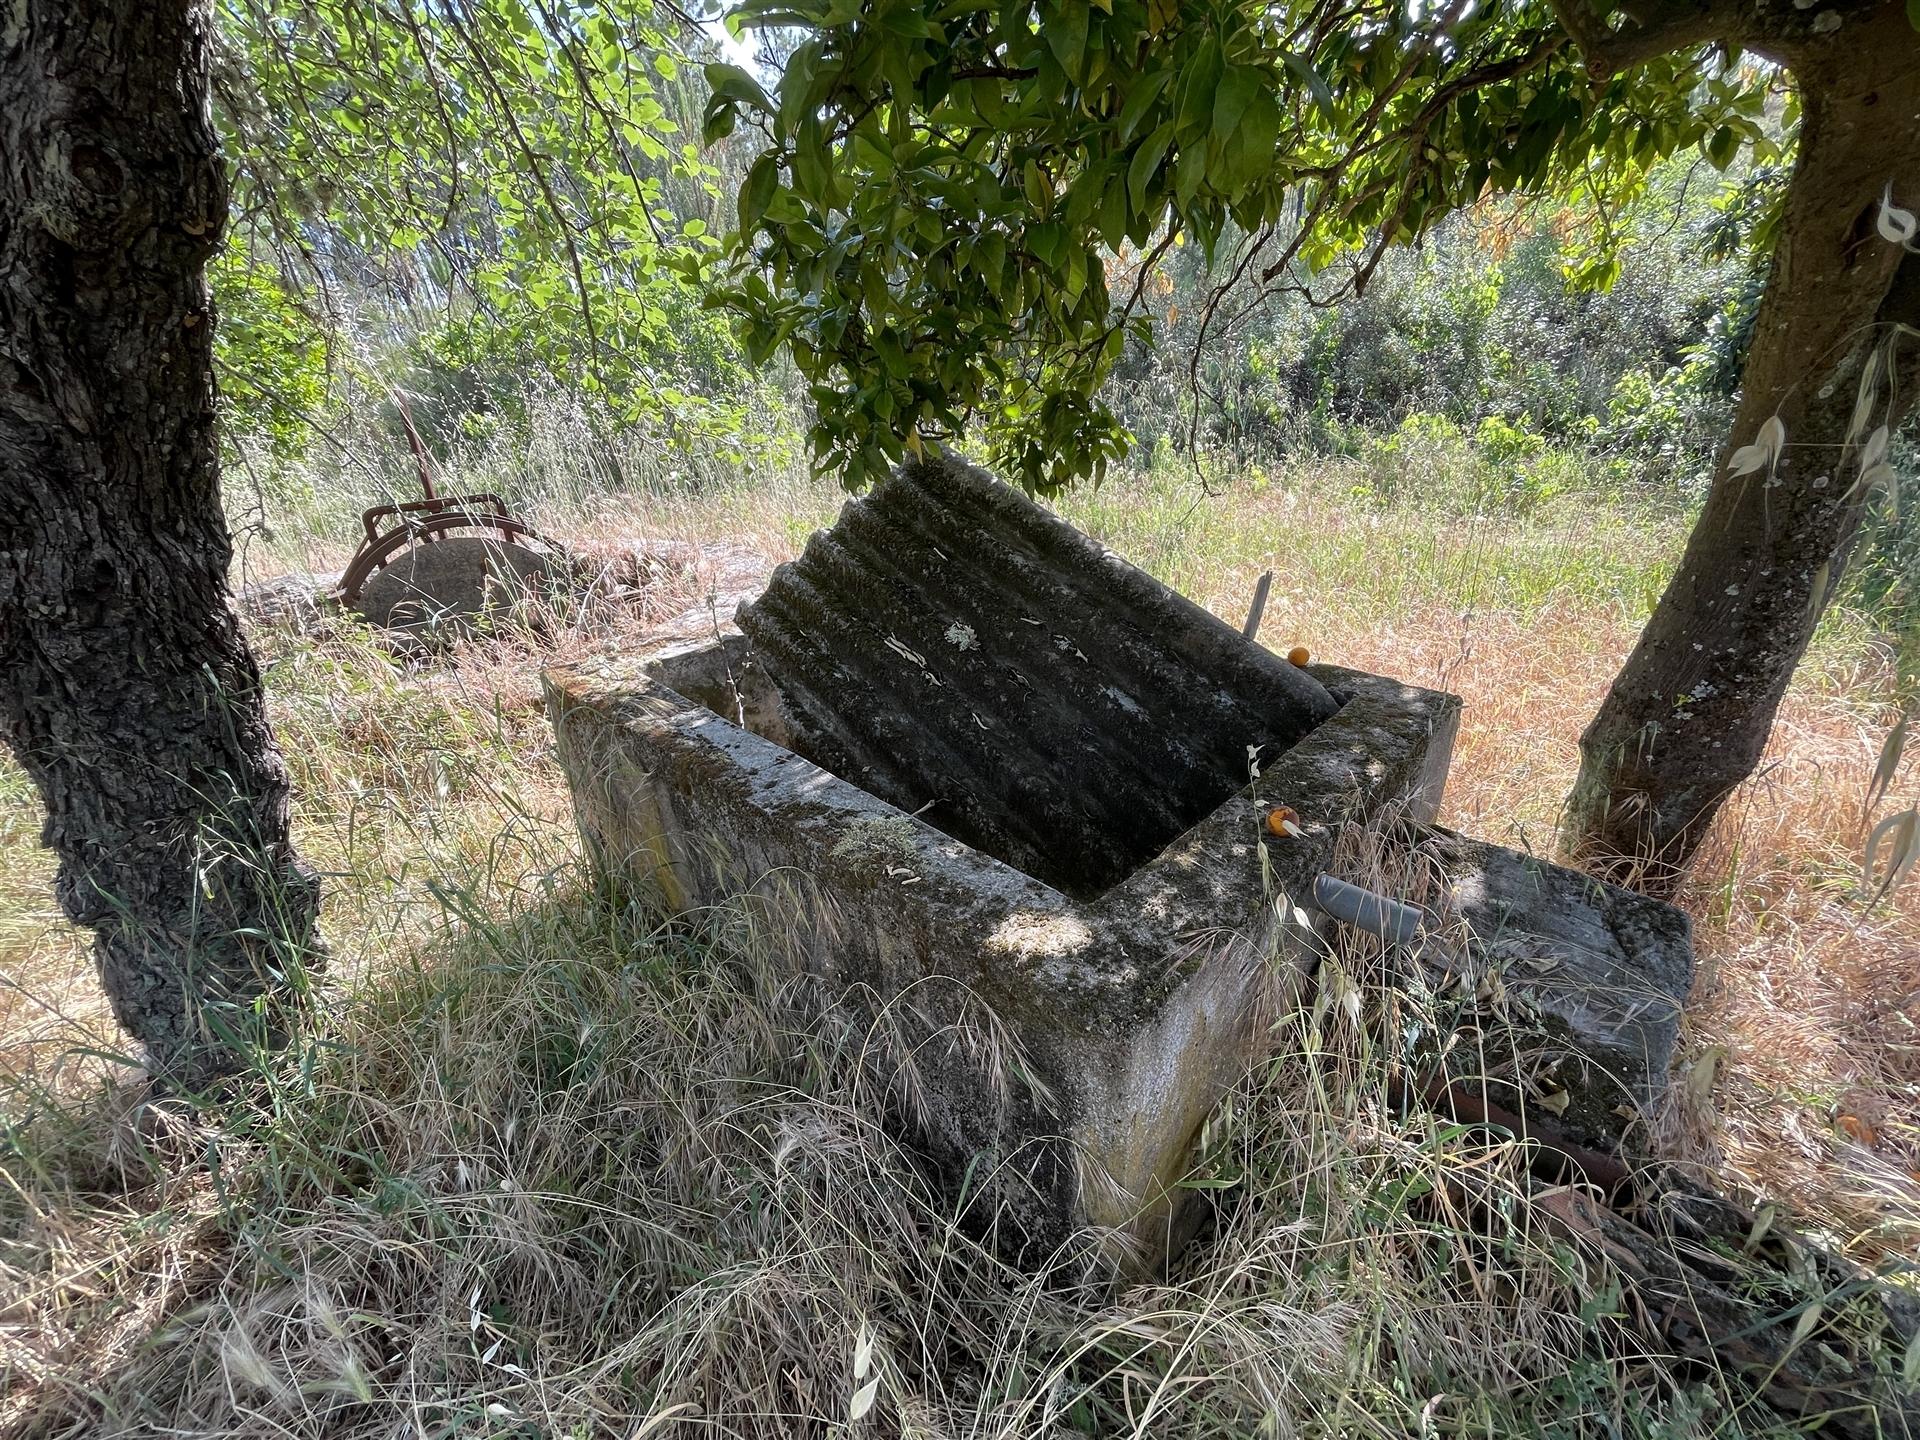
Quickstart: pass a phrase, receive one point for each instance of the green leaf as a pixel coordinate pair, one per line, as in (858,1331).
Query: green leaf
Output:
(730,82)
(989,103)
(1066,35)
(1315,82)
(796,86)
(1724,144)
(1250,153)
(1087,194)
(1034,180)
(892,354)
(1146,163)
(784,207)
(909,23)
(1198,81)
(1113,217)
(721,118)
(1237,89)
(1139,102)
(1187,175)
(1043,242)
(762,180)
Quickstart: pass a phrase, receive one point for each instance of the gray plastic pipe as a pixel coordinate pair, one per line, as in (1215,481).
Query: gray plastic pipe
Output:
(1392,920)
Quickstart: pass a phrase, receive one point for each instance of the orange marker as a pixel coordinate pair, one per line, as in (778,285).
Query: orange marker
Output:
(1298,655)
(1282,821)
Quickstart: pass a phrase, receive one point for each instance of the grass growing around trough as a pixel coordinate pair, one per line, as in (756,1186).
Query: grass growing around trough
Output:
(550,1164)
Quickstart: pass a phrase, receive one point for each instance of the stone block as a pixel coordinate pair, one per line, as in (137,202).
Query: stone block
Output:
(448,586)
(1580,986)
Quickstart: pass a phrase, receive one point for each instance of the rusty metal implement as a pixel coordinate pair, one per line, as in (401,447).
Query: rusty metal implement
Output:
(392,530)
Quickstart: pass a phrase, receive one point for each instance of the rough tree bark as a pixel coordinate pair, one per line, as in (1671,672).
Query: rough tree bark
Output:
(126,688)
(1688,717)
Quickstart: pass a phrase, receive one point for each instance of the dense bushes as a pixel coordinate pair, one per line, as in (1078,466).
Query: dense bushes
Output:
(1480,325)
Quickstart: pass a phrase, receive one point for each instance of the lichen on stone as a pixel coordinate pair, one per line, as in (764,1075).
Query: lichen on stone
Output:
(876,839)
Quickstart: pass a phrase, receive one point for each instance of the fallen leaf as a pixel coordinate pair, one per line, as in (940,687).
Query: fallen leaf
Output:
(1700,1074)
(1858,1130)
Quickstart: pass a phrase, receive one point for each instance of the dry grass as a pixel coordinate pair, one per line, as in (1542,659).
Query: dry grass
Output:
(1802,1068)
(550,1166)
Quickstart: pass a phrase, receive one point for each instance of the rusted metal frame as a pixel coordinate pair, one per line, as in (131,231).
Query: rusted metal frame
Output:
(441,516)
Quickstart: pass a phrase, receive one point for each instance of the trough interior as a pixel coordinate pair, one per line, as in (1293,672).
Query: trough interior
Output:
(962,653)
(1049,842)
(956,650)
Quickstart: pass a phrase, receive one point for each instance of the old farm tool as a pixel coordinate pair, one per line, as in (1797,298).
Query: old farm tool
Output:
(443,561)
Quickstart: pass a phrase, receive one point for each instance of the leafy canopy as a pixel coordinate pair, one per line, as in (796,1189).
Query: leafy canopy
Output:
(956,203)
(519,176)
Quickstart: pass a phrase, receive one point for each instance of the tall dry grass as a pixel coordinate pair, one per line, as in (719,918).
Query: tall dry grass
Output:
(550,1164)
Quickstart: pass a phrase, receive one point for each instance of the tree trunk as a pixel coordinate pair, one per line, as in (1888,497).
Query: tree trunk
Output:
(1688,716)
(126,689)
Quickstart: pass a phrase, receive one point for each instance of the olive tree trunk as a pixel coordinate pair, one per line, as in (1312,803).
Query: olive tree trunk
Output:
(126,689)
(1688,716)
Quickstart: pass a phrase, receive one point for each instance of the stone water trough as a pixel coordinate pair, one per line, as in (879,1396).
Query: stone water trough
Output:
(1007,797)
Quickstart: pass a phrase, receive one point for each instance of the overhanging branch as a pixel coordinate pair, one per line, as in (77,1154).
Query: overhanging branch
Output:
(1653,28)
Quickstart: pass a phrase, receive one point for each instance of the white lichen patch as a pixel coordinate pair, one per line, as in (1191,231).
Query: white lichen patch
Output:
(1035,935)
(961,636)
(882,839)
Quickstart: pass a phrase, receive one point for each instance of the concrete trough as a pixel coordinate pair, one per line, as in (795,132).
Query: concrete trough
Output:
(1006,796)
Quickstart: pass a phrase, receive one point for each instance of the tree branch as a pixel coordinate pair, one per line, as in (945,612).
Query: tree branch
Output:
(1653,28)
